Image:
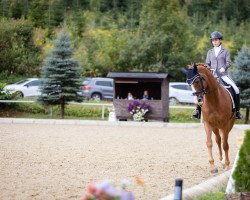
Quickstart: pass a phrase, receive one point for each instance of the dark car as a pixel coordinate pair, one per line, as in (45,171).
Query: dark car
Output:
(97,88)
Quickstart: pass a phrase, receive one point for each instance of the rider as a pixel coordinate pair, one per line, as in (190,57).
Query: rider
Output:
(218,59)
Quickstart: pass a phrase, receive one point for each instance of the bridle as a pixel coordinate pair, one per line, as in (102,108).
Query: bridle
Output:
(192,76)
(201,93)
(203,90)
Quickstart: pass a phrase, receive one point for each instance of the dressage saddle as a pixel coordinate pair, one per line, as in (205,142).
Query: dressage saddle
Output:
(230,90)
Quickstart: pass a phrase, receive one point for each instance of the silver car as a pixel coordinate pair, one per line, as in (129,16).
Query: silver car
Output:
(97,88)
(180,92)
(26,88)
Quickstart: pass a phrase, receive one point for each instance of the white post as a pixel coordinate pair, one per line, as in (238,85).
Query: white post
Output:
(103,112)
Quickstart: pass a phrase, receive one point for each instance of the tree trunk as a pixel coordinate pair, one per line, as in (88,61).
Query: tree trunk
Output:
(247,116)
(62,109)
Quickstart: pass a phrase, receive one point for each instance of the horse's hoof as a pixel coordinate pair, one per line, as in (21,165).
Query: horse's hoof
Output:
(214,171)
(226,167)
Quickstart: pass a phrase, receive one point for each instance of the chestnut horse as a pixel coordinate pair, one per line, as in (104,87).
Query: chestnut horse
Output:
(216,107)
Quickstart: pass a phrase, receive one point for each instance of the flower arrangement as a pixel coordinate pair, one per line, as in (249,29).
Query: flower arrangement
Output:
(138,110)
(105,190)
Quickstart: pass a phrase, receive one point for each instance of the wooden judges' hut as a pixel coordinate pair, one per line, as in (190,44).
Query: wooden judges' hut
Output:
(157,85)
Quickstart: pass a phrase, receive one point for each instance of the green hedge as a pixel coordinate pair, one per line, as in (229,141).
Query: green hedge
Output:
(5,95)
(241,174)
(33,110)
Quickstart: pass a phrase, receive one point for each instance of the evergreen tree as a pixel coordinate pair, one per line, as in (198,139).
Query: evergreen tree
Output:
(201,9)
(133,13)
(38,13)
(241,76)
(76,23)
(16,9)
(238,9)
(61,75)
(4,8)
(55,13)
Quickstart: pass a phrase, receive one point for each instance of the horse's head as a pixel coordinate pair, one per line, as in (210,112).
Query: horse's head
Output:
(197,82)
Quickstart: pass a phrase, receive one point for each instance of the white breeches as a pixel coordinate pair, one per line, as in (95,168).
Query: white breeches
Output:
(230,82)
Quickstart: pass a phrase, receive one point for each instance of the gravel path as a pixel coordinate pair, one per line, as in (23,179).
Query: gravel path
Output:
(42,161)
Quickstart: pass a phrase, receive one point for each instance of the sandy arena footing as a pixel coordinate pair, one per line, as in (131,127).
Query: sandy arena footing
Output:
(57,161)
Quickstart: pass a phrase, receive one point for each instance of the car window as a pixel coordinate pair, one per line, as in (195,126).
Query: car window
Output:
(86,82)
(35,83)
(182,87)
(104,83)
(21,82)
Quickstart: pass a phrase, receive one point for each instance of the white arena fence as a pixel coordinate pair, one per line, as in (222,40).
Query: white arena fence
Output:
(103,105)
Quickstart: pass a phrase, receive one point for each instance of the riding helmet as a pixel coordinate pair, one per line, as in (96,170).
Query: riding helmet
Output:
(216,35)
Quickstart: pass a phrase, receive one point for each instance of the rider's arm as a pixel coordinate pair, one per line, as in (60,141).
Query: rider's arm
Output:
(228,60)
(208,60)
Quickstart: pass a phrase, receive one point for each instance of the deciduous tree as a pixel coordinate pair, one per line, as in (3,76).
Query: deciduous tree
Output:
(165,41)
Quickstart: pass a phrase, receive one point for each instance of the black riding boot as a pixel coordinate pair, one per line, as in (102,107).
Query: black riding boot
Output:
(237,107)
(197,112)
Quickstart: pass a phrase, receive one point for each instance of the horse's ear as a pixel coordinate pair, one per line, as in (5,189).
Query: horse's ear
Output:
(207,67)
(195,67)
(202,64)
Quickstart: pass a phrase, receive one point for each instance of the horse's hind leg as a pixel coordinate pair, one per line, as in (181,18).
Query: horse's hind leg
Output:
(218,141)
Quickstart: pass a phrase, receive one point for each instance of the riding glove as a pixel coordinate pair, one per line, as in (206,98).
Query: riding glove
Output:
(222,70)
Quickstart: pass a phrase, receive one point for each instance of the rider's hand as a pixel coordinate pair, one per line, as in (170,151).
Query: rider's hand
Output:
(222,70)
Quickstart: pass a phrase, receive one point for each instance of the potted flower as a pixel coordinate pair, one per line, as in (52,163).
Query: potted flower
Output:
(105,190)
(138,110)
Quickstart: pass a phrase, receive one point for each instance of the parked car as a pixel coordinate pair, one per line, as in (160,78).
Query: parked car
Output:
(26,88)
(97,88)
(180,92)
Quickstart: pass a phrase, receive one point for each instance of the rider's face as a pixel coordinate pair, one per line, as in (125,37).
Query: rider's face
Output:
(216,42)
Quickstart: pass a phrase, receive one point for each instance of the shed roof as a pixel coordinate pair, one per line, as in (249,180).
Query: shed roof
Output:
(137,75)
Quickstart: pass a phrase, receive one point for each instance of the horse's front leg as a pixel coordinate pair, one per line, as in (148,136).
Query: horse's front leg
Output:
(209,142)
(218,141)
(226,149)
